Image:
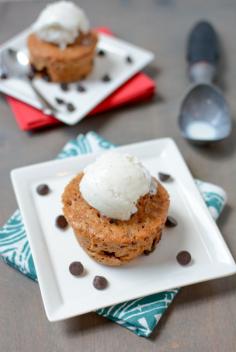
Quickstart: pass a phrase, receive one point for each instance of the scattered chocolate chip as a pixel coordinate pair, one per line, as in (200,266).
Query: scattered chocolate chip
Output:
(129,59)
(43,189)
(3,75)
(101,53)
(106,78)
(61,222)
(171,222)
(11,51)
(64,87)
(100,282)
(70,107)
(164,177)
(76,268)
(183,258)
(59,101)
(81,88)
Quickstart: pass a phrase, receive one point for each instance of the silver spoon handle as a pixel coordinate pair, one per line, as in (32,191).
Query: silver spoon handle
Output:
(203,52)
(47,108)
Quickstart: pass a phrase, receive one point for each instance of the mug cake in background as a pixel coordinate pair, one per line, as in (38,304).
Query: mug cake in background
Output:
(61,44)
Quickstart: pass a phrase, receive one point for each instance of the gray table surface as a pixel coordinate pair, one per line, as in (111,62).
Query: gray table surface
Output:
(202,317)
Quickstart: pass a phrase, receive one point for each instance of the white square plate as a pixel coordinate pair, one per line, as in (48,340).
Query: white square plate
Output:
(53,250)
(114,64)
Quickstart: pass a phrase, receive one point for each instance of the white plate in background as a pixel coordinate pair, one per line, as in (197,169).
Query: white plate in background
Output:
(114,64)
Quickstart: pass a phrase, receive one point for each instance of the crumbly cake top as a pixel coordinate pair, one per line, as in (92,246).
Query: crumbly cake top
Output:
(82,217)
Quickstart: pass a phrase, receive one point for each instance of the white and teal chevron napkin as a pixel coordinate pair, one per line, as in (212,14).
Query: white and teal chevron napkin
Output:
(140,315)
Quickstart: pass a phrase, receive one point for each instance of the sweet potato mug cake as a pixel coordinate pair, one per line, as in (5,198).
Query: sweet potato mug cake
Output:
(116,208)
(61,44)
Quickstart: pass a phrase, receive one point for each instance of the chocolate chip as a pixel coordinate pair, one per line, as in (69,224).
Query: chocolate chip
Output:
(43,189)
(3,75)
(59,101)
(100,282)
(46,78)
(113,221)
(164,177)
(147,252)
(70,107)
(64,87)
(61,222)
(101,53)
(81,88)
(109,254)
(11,51)
(129,59)
(171,222)
(76,268)
(106,78)
(183,258)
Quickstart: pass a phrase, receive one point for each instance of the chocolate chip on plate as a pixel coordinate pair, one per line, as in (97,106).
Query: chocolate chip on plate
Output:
(171,222)
(43,189)
(106,78)
(11,51)
(101,53)
(183,258)
(164,177)
(76,268)
(3,75)
(64,87)
(70,107)
(59,101)
(61,222)
(100,282)
(81,88)
(129,59)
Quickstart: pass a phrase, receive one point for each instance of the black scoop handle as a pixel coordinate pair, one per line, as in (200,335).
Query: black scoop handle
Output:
(203,44)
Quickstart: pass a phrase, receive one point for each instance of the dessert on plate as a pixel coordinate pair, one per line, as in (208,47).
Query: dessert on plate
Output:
(61,43)
(116,208)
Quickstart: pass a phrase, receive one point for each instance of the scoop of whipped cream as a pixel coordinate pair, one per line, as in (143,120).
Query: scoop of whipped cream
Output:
(114,183)
(60,23)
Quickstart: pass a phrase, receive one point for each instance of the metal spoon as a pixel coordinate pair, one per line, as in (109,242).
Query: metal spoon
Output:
(204,114)
(18,65)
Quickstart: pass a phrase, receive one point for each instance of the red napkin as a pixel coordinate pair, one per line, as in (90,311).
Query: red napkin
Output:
(140,87)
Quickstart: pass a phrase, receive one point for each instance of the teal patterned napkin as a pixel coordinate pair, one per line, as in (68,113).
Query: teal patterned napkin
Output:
(140,315)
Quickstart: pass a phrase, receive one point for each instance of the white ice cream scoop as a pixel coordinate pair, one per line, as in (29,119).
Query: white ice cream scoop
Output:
(114,183)
(61,23)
